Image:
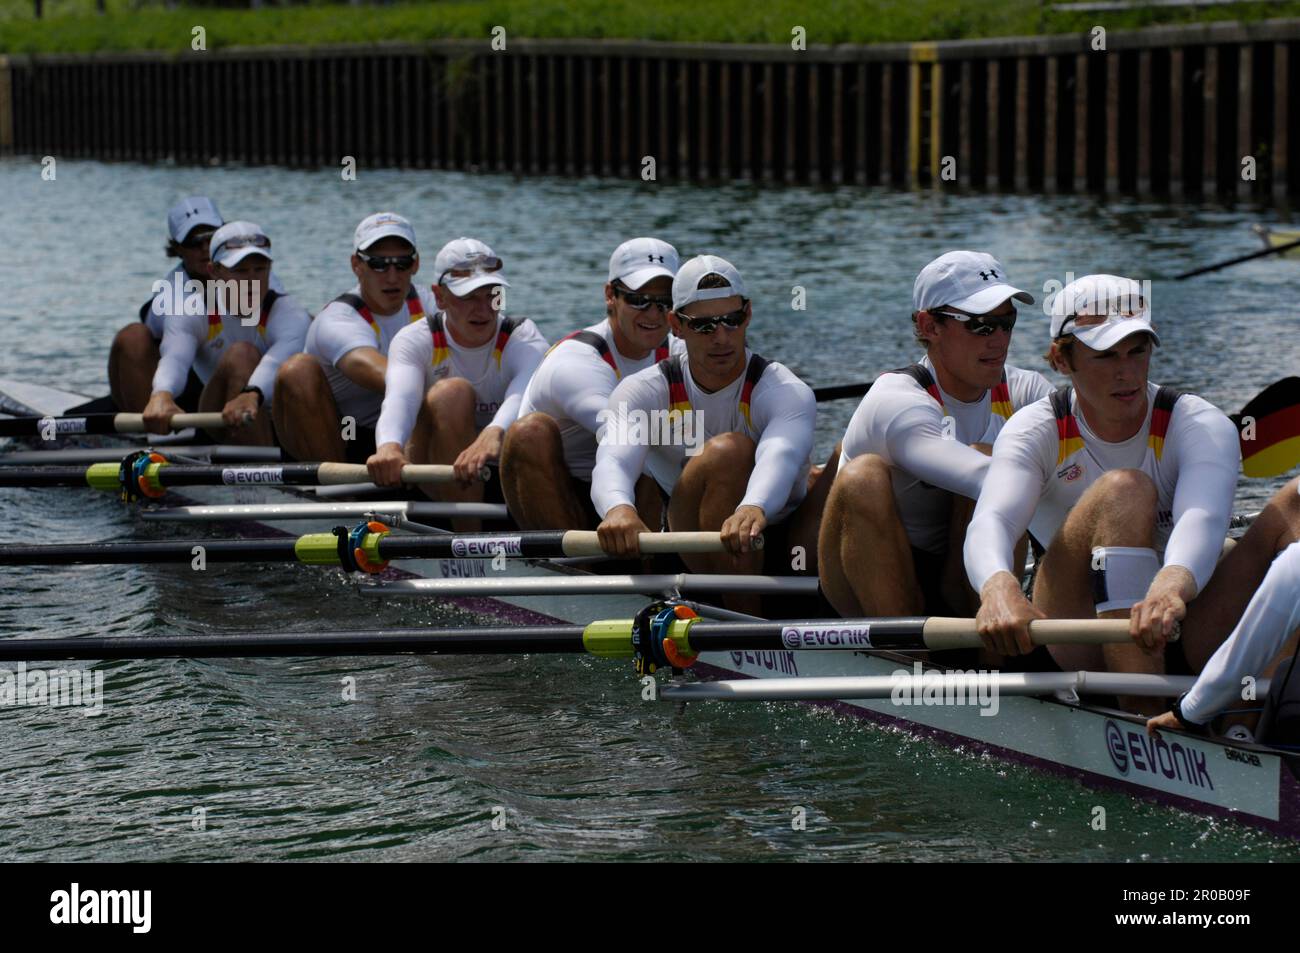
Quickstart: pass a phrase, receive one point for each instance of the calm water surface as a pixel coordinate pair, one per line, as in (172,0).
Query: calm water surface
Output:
(281,767)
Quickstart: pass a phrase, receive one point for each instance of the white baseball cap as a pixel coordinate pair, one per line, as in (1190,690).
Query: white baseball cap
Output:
(686,283)
(189,213)
(639,260)
(382,225)
(235,241)
(1118,300)
(971,281)
(479,262)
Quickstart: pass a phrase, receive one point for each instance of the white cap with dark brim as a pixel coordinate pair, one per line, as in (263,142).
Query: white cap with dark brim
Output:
(641,260)
(382,225)
(686,283)
(474,256)
(235,241)
(1119,299)
(970,281)
(191,213)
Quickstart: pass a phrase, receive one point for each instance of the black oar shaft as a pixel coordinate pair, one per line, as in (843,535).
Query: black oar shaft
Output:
(884,634)
(514,641)
(174,474)
(150,551)
(36,426)
(1274,250)
(538,545)
(43,476)
(840,391)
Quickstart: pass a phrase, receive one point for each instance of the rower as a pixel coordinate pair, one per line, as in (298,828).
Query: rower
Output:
(915,452)
(237,346)
(328,399)
(549,451)
(1270,619)
(133,357)
(1129,484)
(455,380)
(733,452)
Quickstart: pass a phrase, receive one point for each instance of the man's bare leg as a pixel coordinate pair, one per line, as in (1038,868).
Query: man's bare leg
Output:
(708,491)
(535,480)
(132,361)
(445,426)
(305,415)
(803,526)
(231,376)
(864,557)
(1118,510)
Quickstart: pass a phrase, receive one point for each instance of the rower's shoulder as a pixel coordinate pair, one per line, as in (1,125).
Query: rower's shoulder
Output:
(339,310)
(1026,385)
(776,374)
(286,306)
(1195,411)
(523,329)
(1035,415)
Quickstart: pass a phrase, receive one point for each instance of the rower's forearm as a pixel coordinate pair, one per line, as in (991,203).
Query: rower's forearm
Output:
(1176,579)
(1271,616)
(989,550)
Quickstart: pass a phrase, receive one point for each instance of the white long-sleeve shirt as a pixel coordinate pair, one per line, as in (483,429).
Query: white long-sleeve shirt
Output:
(498,371)
(198,341)
(182,294)
(1270,618)
(925,436)
(573,384)
(779,417)
(1040,470)
(341,328)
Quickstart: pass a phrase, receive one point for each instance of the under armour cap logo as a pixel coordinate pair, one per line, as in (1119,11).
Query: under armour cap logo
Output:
(658,258)
(986,275)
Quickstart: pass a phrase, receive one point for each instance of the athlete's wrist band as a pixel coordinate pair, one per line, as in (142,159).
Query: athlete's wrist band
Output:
(1182,719)
(251,389)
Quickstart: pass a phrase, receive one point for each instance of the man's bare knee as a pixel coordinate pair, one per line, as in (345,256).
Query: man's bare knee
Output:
(452,395)
(732,450)
(532,438)
(241,354)
(134,338)
(863,484)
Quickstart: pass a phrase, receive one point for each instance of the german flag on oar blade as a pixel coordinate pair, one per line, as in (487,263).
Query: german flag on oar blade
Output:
(1270,430)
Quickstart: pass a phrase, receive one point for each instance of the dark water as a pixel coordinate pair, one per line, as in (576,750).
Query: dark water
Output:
(278,766)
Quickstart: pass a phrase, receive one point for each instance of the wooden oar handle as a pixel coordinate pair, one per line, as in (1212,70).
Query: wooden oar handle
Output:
(585,543)
(942,633)
(333,474)
(134,423)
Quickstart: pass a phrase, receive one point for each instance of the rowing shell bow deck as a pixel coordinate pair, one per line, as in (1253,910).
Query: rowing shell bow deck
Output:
(1052,732)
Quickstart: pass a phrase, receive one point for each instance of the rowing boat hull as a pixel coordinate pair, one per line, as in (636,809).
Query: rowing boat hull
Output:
(1101,748)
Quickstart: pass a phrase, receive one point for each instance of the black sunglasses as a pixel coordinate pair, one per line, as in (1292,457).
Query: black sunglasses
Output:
(732,320)
(639,302)
(381,264)
(982,327)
